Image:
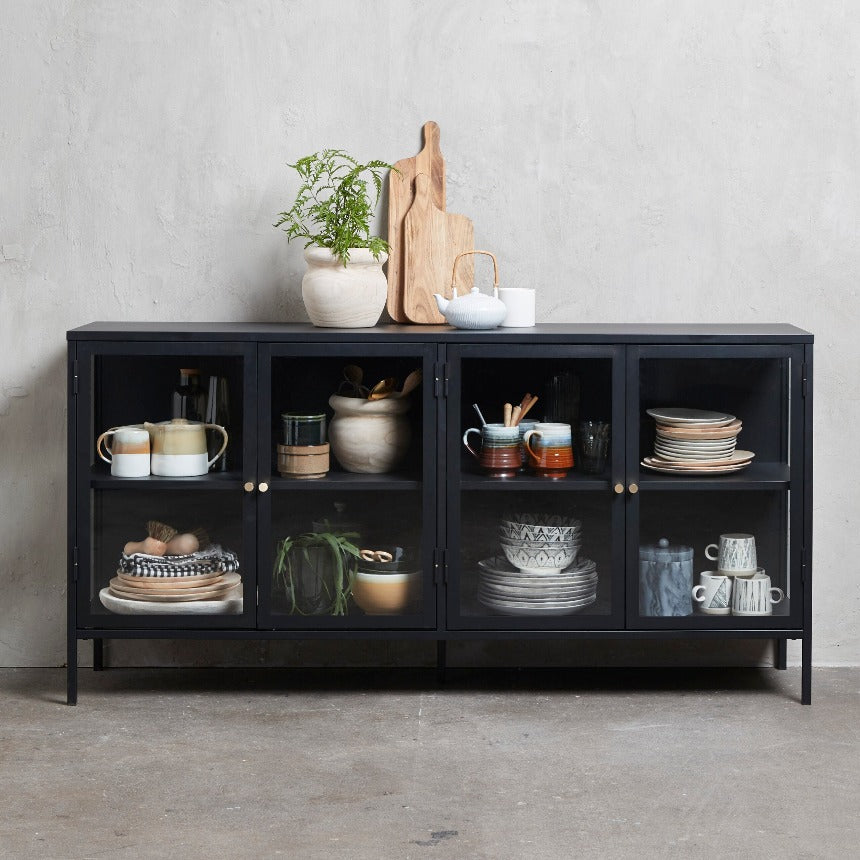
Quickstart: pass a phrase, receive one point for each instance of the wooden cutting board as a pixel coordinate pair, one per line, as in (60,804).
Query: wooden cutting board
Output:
(401,193)
(432,240)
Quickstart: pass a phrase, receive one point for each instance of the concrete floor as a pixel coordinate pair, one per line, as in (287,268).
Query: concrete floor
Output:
(235,764)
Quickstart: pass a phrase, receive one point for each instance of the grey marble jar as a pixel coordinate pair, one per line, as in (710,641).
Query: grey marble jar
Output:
(665,579)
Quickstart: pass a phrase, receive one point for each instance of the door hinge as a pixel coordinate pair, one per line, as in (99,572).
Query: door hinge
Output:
(75,564)
(440,566)
(803,564)
(440,379)
(804,380)
(75,376)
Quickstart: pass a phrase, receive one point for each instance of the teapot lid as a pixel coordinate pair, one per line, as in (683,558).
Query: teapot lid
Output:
(665,551)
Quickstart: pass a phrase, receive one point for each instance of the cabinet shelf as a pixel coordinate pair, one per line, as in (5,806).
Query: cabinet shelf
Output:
(347,481)
(212,481)
(529,483)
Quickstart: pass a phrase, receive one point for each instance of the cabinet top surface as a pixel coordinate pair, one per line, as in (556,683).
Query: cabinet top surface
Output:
(545,332)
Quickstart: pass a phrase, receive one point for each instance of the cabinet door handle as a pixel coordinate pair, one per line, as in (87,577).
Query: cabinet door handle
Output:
(249,486)
(619,488)
(263,487)
(633,488)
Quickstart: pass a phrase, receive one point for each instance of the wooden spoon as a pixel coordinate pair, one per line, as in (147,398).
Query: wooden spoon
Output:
(412,381)
(384,388)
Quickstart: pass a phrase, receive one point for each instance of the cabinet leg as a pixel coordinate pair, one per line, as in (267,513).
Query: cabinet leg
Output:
(72,671)
(780,653)
(806,670)
(98,655)
(441,651)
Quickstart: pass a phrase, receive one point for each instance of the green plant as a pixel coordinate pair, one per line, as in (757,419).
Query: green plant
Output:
(333,207)
(316,571)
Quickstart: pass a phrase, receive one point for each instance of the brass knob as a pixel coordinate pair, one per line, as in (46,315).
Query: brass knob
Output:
(619,488)
(634,488)
(249,486)
(263,487)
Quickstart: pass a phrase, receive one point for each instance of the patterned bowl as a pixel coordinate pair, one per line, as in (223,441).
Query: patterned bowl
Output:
(514,530)
(540,559)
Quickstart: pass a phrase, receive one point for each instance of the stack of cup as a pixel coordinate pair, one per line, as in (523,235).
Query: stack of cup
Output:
(738,586)
(304,453)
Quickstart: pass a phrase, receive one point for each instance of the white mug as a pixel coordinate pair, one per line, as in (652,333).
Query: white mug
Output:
(735,554)
(128,452)
(714,593)
(754,595)
(520,303)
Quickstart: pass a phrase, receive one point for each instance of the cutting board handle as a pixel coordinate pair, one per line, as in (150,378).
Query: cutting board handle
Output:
(495,271)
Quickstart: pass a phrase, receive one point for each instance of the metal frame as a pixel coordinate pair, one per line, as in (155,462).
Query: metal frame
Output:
(441,456)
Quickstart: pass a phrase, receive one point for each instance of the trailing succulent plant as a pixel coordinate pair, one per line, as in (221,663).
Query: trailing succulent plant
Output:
(334,205)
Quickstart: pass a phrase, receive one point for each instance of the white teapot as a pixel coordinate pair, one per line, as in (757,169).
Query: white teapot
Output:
(474,310)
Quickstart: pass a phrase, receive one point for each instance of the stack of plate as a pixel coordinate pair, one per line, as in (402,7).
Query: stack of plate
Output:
(174,589)
(697,442)
(507,590)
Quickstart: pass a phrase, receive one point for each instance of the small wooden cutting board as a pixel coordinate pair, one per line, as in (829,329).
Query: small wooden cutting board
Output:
(401,193)
(432,240)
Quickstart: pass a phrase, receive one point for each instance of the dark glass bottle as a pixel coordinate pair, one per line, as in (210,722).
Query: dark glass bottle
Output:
(189,399)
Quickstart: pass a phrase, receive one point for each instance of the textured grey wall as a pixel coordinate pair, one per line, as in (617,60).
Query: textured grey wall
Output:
(650,161)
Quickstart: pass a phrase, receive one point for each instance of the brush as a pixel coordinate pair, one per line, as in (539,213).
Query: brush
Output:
(188,542)
(158,534)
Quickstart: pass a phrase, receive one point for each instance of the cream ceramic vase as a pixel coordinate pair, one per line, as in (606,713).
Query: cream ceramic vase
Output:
(338,296)
(369,436)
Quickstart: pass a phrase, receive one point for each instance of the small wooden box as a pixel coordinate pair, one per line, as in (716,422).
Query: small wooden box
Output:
(303,461)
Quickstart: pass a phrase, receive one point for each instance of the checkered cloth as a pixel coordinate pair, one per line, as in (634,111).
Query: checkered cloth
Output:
(212,559)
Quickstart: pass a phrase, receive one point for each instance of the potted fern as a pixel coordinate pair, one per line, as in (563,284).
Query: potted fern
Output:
(314,572)
(344,286)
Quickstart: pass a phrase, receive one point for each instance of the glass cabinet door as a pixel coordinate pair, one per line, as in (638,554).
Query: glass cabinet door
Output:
(536,542)
(347,524)
(714,452)
(131,573)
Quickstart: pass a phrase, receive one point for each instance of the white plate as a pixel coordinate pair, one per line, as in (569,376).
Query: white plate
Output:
(737,457)
(536,610)
(696,446)
(695,469)
(694,451)
(501,566)
(231,605)
(698,417)
(672,457)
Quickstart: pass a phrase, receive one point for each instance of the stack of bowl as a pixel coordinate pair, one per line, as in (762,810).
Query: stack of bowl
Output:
(537,543)
(541,573)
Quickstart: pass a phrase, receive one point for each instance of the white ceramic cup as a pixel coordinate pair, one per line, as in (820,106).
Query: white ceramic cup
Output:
(127,453)
(520,303)
(714,593)
(754,595)
(735,554)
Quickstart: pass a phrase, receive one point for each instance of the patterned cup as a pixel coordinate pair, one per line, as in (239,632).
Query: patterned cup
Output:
(499,456)
(755,596)
(735,555)
(549,449)
(714,593)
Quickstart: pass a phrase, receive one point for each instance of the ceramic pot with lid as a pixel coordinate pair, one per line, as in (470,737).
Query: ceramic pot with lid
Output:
(179,447)
(665,579)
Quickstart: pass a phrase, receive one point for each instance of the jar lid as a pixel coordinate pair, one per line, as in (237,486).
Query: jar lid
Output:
(665,551)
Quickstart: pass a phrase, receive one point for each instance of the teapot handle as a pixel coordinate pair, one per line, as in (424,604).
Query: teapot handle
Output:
(221,430)
(495,271)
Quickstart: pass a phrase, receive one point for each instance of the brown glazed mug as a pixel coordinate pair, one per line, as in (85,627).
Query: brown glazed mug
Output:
(549,449)
(500,454)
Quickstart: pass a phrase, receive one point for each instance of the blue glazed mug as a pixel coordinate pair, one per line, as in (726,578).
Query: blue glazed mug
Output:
(549,449)
(500,455)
